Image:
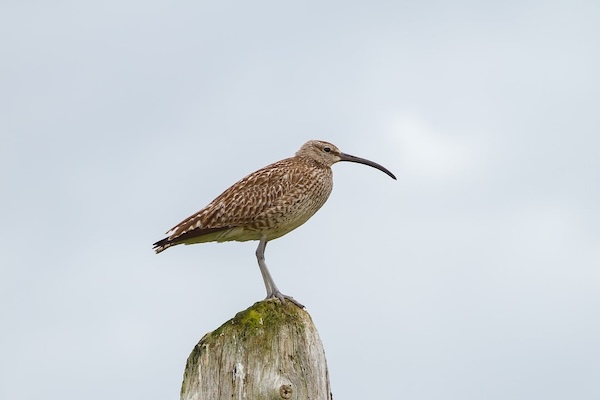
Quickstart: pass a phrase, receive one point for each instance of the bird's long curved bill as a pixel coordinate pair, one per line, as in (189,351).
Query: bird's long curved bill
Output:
(348,157)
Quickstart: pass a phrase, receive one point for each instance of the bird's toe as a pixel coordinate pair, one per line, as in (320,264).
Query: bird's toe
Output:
(282,297)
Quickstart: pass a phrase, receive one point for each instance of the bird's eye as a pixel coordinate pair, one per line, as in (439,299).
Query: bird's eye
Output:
(326,149)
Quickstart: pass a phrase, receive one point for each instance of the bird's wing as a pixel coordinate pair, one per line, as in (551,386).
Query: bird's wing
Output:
(241,203)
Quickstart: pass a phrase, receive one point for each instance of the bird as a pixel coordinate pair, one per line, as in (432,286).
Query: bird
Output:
(266,205)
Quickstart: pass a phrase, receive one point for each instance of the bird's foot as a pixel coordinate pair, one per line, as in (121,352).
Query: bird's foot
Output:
(282,297)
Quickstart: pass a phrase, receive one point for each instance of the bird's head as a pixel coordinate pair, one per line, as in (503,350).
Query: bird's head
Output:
(328,154)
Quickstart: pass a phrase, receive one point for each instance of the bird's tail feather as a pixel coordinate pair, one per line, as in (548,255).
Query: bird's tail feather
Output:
(162,245)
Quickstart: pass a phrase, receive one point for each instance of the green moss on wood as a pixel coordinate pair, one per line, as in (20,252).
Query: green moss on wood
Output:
(260,318)
(259,325)
(267,338)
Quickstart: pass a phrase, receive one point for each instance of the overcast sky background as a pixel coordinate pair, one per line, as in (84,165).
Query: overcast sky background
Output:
(475,276)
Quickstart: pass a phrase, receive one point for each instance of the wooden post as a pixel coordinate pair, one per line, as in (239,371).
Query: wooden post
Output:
(268,352)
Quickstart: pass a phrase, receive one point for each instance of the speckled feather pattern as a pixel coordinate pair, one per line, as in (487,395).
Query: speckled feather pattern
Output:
(271,201)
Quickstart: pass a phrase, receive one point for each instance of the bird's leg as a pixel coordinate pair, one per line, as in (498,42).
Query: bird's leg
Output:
(260,256)
(272,290)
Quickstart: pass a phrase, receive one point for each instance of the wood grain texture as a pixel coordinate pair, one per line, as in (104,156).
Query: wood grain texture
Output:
(269,351)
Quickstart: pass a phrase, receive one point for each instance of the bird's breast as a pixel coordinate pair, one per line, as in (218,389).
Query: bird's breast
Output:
(303,193)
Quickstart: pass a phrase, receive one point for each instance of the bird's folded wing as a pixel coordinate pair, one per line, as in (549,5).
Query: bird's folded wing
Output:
(239,205)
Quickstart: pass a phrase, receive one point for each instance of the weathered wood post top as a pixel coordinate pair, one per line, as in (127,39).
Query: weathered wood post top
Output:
(270,351)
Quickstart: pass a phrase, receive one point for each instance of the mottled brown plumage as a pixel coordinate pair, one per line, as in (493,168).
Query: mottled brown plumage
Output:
(266,204)
(273,200)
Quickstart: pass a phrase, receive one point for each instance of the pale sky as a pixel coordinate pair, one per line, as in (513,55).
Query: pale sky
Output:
(474,276)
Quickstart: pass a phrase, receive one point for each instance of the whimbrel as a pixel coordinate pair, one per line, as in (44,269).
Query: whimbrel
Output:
(267,204)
